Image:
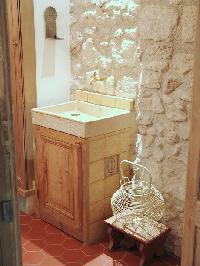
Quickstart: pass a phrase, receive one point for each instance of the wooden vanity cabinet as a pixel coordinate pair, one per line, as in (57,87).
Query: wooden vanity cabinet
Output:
(76,178)
(58,167)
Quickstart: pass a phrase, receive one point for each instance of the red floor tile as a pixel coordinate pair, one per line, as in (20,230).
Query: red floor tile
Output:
(23,239)
(100,260)
(73,264)
(23,251)
(37,224)
(34,245)
(115,263)
(45,245)
(93,249)
(88,259)
(49,229)
(33,257)
(35,234)
(25,219)
(72,243)
(54,239)
(51,261)
(54,250)
(30,264)
(73,256)
(25,229)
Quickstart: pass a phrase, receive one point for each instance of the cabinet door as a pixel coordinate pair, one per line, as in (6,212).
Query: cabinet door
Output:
(59,180)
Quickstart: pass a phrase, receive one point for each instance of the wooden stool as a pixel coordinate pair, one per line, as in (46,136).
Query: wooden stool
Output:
(148,247)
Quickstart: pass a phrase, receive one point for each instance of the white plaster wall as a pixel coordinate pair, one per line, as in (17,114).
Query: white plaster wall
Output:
(52,56)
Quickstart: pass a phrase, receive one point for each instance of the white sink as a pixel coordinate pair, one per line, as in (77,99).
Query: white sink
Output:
(82,119)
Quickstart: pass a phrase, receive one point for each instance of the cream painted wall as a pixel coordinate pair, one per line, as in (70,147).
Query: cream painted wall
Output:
(52,56)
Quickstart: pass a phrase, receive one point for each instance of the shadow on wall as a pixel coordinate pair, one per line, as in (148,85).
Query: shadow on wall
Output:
(51,20)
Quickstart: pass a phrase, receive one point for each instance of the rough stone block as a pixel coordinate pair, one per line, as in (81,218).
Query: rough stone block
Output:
(182,63)
(157,66)
(176,115)
(145,119)
(151,79)
(170,84)
(89,55)
(157,22)
(189,23)
(127,87)
(157,104)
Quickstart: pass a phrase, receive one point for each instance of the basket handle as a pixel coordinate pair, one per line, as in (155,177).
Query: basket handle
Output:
(143,168)
(124,180)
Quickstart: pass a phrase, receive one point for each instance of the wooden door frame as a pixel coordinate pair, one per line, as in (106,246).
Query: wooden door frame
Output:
(12,64)
(17,82)
(192,185)
(29,88)
(23,77)
(10,247)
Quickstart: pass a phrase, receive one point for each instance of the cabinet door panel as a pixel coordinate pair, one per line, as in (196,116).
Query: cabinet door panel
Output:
(59,181)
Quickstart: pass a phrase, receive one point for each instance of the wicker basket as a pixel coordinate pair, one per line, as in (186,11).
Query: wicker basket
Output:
(137,195)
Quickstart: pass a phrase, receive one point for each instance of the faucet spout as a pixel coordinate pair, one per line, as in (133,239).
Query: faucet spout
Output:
(95,78)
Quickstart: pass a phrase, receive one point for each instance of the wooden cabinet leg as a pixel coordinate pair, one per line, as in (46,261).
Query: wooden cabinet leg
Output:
(115,238)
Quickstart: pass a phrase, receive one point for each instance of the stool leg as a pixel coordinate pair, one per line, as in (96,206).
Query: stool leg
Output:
(147,253)
(115,238)
(159,246)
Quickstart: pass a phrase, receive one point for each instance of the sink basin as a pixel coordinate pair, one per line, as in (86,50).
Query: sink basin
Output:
(82,119)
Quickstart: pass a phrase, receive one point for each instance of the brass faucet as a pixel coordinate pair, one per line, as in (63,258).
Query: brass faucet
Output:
(95,78)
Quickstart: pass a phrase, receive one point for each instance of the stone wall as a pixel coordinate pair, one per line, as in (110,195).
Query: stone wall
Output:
(104,39)
(145,49)
(167,30)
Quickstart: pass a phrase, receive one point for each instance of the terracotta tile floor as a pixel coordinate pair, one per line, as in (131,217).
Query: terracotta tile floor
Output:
(44,245)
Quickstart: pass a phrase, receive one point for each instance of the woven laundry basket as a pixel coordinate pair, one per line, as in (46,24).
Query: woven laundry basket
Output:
(137,195)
